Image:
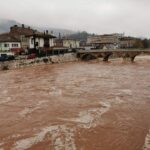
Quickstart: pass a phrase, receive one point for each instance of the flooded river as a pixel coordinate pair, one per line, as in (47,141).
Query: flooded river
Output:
(76,106)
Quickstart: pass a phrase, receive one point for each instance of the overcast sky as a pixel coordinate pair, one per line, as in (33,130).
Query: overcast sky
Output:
(95,16)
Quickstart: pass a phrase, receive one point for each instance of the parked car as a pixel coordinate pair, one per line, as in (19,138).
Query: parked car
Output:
(5,57)
(10,57)
(2,58)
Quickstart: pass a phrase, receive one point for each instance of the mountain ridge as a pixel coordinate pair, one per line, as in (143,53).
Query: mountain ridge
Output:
(5,25)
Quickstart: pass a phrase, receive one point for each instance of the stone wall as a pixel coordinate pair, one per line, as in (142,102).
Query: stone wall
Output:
(71,57)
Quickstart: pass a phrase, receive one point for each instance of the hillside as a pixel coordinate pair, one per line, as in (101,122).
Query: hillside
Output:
(82,36)
(6,24)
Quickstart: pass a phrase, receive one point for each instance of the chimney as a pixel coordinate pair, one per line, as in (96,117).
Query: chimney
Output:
(11,28)
(46,31)
(22,25)
(29,27)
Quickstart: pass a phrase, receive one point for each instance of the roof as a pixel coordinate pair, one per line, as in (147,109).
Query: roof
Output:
(65,39)
(128,38)
(42,35)
(7,37)
(16,30)
(15,34)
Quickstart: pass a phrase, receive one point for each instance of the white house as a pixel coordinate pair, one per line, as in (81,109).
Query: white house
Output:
(40,40)
(8,43)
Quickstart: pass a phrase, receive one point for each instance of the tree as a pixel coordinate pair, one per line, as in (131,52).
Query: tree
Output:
(138,44)
(82,36)
(146,43)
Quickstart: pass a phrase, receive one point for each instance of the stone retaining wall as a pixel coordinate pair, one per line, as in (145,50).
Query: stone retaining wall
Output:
(71,57)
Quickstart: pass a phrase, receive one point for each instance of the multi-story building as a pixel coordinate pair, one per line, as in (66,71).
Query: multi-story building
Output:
(106,41)
(114,41)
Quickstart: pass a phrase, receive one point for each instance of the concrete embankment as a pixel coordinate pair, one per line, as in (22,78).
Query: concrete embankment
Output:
(71,57)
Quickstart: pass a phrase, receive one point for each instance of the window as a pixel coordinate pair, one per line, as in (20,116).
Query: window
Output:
(37,43)
(14,45)
(6,45)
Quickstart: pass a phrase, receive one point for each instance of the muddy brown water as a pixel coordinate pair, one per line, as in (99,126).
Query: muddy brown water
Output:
(76,106)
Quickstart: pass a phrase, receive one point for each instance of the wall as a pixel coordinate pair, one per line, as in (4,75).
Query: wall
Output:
(71,43)
(39,40)
(24,42)
(51,42)
(111,46)
(70,57)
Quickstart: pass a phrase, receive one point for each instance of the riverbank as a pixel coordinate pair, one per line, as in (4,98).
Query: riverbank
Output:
(70,57)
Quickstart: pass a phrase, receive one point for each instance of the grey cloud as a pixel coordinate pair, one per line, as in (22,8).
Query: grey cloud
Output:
(99,16)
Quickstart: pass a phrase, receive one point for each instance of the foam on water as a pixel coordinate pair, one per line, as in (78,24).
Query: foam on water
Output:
(62,137)
(147,142)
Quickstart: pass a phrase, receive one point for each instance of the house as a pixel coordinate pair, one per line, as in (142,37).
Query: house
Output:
(27,38)
(9,43)
(20,32)
(38,40)
(67,43)
(106,41)
(14,39)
